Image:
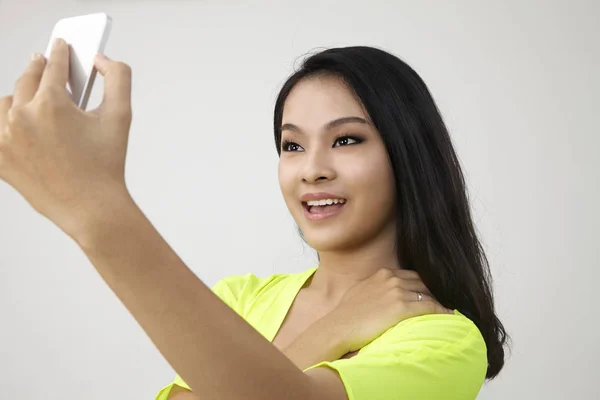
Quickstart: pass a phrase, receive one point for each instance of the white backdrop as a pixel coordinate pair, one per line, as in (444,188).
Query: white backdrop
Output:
(517,84)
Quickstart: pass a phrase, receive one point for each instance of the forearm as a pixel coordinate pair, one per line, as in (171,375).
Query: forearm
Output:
(211,347)
(320,342)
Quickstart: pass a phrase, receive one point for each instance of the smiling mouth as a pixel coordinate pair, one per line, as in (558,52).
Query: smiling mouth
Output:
(323,207)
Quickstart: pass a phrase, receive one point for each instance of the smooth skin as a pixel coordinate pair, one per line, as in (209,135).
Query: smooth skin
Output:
(68,164)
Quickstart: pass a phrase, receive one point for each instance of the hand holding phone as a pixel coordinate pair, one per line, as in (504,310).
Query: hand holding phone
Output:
(67,163)
(86,35)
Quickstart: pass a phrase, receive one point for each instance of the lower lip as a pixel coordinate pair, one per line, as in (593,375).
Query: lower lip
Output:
(322,216)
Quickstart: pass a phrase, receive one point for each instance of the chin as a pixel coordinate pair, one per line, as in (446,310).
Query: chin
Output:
(324,240)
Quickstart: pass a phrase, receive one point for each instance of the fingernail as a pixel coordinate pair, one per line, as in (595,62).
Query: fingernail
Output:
(35,56)
(58,42)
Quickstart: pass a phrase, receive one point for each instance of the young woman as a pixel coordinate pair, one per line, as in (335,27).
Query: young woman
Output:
(368,171)
(400,305)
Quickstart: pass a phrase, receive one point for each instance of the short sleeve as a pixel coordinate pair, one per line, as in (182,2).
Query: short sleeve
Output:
(438,356)
(225,289)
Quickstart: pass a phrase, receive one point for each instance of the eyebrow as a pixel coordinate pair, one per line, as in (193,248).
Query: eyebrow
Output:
(329,125)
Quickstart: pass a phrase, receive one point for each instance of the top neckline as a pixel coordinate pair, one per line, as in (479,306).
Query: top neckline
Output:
(286,304)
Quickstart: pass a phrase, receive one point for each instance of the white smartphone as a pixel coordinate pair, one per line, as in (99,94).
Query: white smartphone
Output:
(86,35)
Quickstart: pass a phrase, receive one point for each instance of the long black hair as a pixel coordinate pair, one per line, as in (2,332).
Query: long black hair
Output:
(436,234)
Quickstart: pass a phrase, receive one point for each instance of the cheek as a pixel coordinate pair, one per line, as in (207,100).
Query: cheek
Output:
(372,180)
(286,182)
(375,198)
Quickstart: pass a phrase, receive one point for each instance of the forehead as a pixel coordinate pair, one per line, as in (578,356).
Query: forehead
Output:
(318,100)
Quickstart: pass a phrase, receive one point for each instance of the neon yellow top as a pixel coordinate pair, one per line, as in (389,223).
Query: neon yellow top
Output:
(438,356)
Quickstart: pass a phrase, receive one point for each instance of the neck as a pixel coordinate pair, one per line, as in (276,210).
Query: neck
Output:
(340,270)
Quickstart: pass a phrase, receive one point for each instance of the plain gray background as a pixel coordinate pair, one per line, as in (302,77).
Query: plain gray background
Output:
(516,82)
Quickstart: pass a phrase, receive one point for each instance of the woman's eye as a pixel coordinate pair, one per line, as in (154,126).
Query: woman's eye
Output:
(346,140)
(290,146)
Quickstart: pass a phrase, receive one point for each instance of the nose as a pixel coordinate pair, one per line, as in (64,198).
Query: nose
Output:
(318,167)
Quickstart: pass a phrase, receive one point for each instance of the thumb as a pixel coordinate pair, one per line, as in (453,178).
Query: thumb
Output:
(117,86)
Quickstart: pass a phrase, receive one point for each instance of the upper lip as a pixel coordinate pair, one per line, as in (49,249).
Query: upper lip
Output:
(319,196)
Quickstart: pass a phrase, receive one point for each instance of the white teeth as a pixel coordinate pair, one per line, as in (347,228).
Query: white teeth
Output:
(325,202)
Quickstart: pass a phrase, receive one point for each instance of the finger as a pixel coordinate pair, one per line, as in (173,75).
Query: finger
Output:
(29,82)
(56,72)
(414,296)
(117,84)
(418,297)
(425,307)
(407,274)
(5,105)
(414,286)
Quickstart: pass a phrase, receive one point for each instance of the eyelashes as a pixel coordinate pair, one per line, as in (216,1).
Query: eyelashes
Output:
(286,146)
(342,139)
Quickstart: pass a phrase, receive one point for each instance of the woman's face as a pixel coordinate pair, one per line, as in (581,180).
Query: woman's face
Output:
(330,150)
